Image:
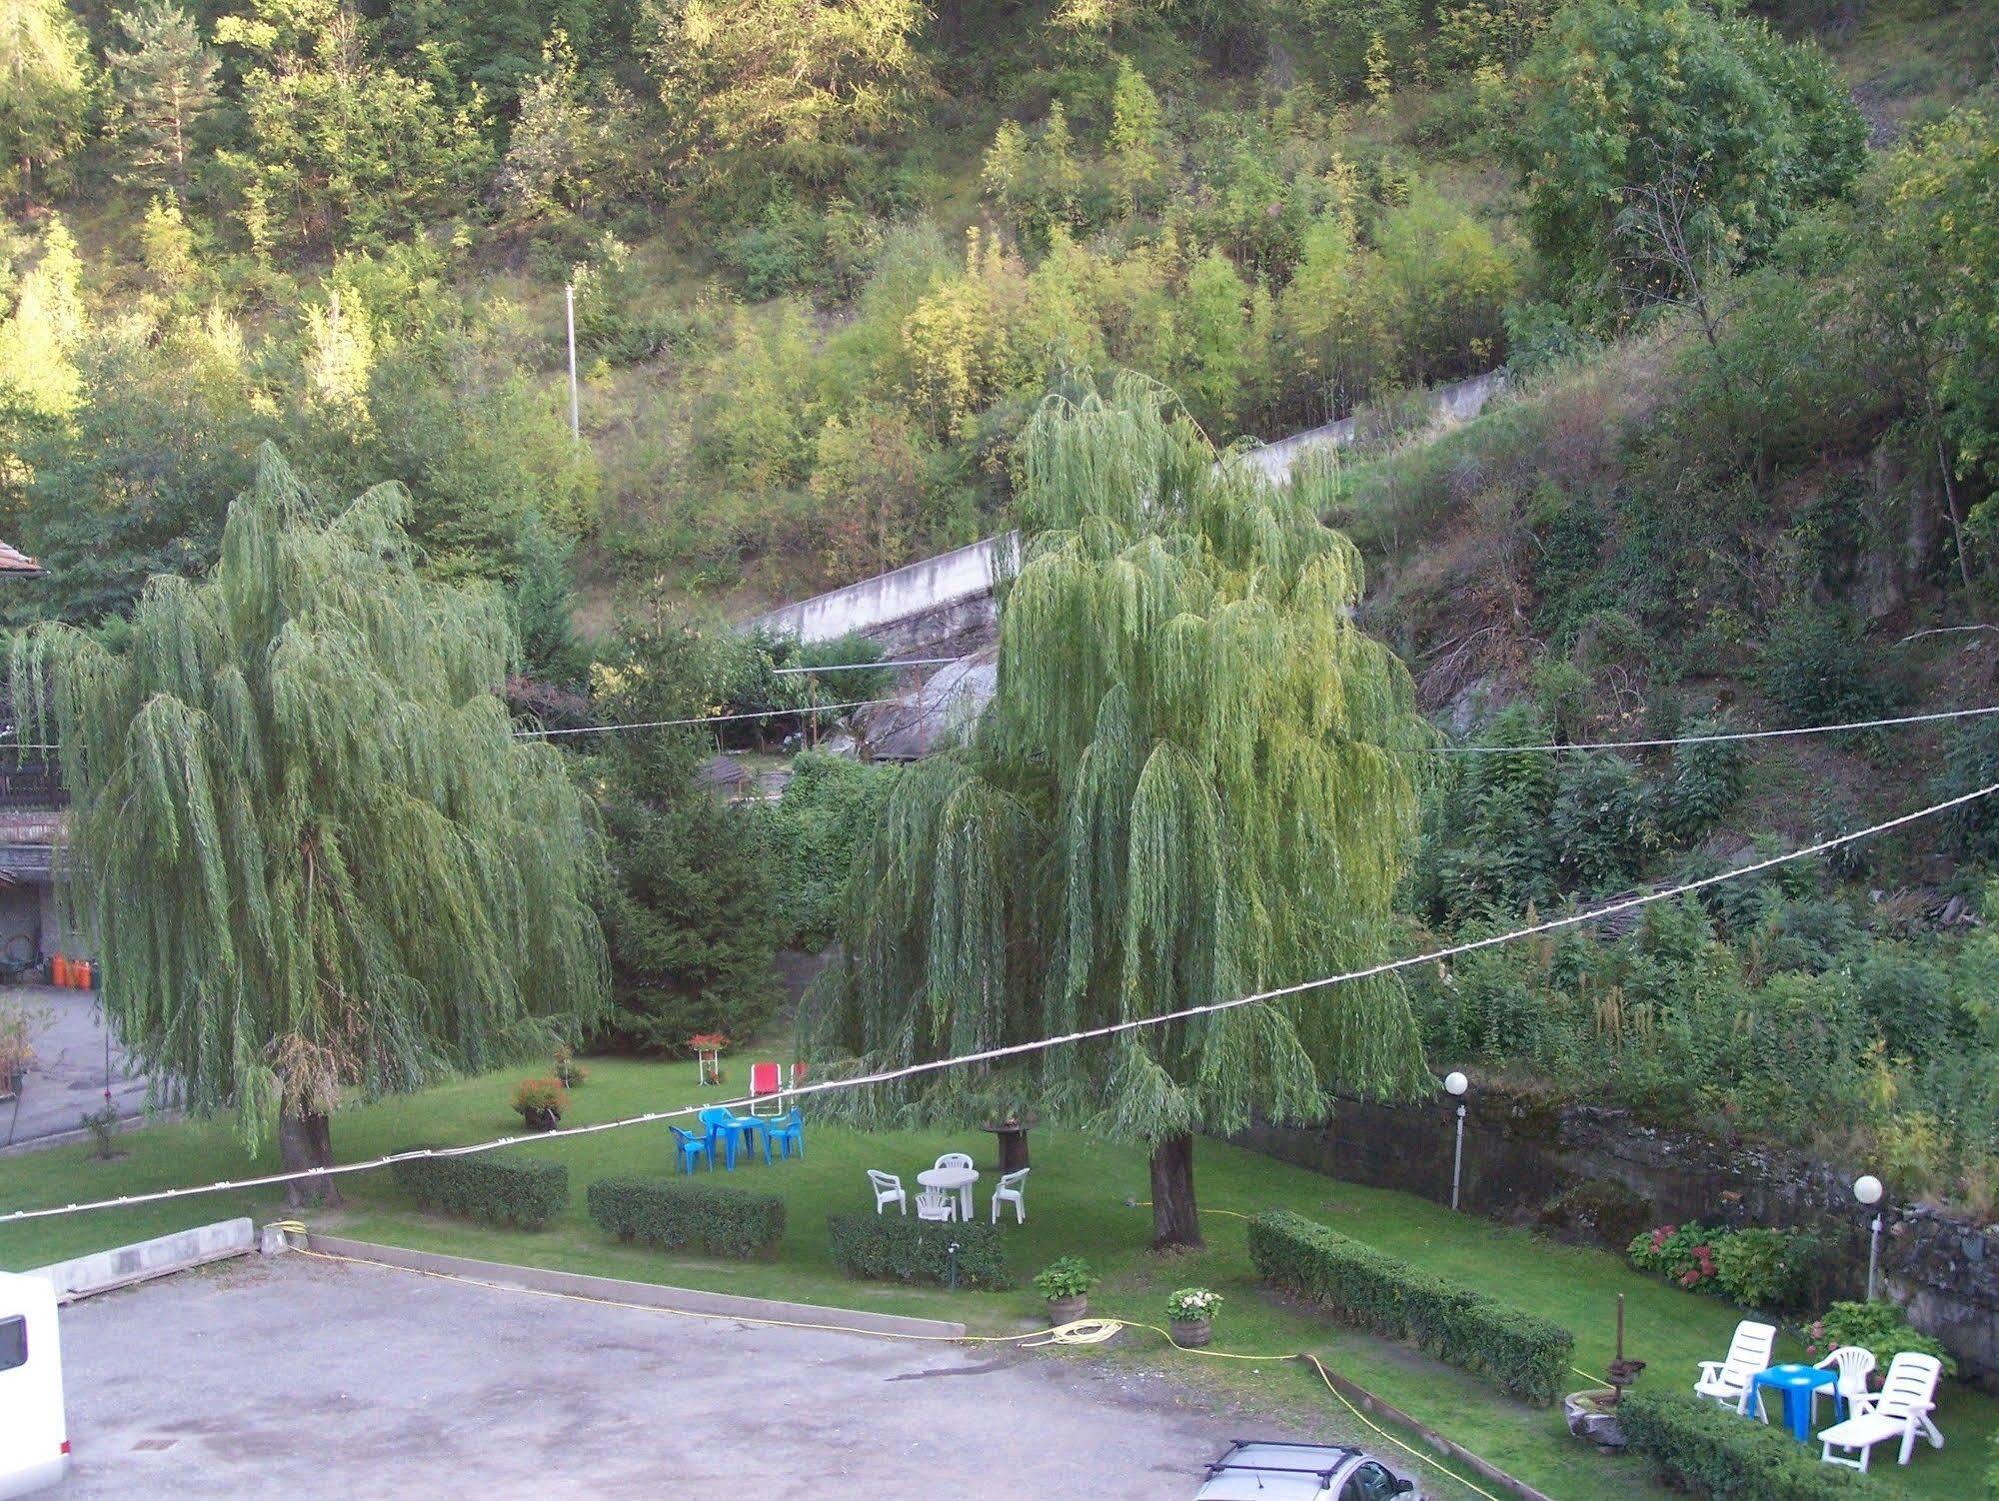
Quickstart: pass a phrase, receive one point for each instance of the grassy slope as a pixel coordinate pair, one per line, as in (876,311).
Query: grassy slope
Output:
(1077,1203)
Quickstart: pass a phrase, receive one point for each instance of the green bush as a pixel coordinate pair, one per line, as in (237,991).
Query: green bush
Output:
(1881,1327)
(1708,1449)
(519,1191)
(893,1248)
(1757,1267)
(1517,1352)
(663,1212)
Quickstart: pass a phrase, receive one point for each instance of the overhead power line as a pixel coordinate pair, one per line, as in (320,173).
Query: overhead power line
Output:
(1041,1044)
(866,666)
(1721,736)
(662,724)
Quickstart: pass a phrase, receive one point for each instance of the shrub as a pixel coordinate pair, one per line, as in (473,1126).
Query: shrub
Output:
(661,1212)
(1816,666)
(520,1191)
(1517,1352)
(1065,1277)
(1759,1268)
(892,1248)
(536,1095)
(1762,1268)
(1880,1327)
(1682,1253)
(1703,1447)
(569,1073)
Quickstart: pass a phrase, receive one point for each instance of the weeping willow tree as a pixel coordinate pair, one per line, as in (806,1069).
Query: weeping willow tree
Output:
(1193,783)
(310,852)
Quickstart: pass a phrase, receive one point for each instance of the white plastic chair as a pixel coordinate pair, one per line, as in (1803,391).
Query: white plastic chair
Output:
(1727,1380)
(954,1159)
(1902,1410)
(1012,1189)
(936,1204)
(888,1190)
(1854,1365)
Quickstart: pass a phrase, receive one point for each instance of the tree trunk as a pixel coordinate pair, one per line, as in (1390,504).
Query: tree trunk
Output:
(1174,1219)
(1950,503)
(304,1142)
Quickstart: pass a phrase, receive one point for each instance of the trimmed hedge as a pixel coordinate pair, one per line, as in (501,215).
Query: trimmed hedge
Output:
(1517,1352)
(1713,1451)
(662,1212)
(520,1191)
(894,1248)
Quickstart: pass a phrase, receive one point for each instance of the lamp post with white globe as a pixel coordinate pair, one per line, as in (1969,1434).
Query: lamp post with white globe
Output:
(1455,1084)
(1867,1189)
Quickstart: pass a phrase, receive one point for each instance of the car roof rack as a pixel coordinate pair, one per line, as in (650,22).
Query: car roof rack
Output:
(1340,1454)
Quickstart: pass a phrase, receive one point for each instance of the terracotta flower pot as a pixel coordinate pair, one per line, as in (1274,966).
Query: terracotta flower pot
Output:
(1191,1334)
(1068,1310)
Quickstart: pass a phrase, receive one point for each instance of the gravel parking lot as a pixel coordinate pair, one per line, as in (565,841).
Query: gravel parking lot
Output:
(309,1379)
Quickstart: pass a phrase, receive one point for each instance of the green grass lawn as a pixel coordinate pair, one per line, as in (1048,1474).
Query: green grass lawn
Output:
(1080,1200)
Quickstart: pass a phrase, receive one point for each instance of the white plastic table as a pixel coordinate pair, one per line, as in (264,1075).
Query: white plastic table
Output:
(948,1178)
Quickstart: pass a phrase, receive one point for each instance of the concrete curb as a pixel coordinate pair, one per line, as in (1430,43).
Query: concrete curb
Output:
(645,1294)
(71,1136)
(162,1256)
(1374,1406)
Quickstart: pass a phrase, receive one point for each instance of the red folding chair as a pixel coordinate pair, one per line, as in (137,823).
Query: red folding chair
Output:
(766,1081)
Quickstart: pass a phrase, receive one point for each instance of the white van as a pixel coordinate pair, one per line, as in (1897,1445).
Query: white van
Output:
(34,1435)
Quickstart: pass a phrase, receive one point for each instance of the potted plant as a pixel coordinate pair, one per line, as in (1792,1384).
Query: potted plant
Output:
(568,1072)
(1066,1282)
(541,1102)
(1192,1312)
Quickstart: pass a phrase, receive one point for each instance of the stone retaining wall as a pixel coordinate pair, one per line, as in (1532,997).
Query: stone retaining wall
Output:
(1597,1176)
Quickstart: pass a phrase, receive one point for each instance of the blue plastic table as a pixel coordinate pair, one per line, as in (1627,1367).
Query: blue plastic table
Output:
(1796,1382)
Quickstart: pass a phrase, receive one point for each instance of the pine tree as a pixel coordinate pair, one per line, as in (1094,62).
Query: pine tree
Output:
(1189,786)
(313,856)
(165,82)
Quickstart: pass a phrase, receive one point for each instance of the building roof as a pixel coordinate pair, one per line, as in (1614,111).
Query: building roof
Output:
(14,561)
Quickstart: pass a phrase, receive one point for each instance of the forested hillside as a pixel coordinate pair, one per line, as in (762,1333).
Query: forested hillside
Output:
(830,256)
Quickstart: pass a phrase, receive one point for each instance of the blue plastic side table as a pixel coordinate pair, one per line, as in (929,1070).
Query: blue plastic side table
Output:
(1797,1383)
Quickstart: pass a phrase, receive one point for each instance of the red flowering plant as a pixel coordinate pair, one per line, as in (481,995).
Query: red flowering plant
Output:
(1683,1253)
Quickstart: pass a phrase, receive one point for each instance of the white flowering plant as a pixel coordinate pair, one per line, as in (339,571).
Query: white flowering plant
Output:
(1192,1304)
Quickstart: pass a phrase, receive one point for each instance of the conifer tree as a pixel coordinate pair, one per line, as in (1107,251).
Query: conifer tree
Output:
(165,81)
(312,854)
(1190,785)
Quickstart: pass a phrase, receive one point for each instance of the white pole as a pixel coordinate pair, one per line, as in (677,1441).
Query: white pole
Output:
(575,410)
(1458,1159)
(1873,1255)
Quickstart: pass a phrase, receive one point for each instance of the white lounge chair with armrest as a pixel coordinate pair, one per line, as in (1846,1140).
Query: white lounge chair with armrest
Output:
(1901,1410)
(1727,1380)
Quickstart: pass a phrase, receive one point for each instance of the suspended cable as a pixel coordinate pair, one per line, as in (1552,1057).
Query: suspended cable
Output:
(662,724)
(1041,1044)
(1721,736)
(867,666)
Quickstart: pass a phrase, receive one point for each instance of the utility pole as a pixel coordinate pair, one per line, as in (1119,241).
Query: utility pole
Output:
(575,410)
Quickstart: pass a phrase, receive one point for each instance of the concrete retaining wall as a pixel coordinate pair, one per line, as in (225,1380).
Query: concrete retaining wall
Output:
(101,1271)
(965,573)
(939,597)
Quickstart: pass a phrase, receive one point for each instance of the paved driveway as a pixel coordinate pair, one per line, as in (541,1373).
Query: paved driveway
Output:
(68,1077)
(306,1379)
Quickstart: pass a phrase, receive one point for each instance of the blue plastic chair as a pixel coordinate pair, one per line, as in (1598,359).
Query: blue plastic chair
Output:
(788,1132)
(721,1122)
(691,1147)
